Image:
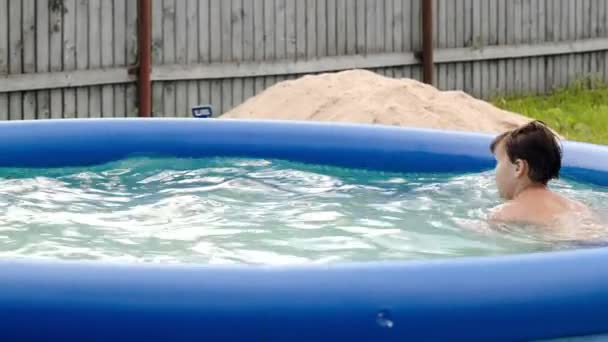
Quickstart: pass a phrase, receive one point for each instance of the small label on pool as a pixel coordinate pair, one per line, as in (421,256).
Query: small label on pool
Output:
(202,112)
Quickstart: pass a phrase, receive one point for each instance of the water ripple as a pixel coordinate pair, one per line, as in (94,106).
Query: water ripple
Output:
(253,211)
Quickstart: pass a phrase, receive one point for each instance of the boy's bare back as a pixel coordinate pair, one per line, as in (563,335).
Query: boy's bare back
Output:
(540,207)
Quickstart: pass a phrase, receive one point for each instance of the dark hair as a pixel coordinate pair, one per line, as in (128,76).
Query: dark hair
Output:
(536,144)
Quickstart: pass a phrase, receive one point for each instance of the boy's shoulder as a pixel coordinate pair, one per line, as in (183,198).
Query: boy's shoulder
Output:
(507,212)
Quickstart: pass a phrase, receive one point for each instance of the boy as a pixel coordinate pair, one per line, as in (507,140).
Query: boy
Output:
(527,159)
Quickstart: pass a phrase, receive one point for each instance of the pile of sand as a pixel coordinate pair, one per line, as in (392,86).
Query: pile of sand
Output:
(361,96)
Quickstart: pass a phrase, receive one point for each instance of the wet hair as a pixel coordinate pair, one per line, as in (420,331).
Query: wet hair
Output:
(536,144)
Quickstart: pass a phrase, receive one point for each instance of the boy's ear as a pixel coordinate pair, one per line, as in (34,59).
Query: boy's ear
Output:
(521,167)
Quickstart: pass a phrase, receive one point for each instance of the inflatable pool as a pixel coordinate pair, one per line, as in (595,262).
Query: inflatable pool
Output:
(509,298)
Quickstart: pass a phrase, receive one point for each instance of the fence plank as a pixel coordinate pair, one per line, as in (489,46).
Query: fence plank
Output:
(379,21)
(204,94)
(571,20)
(594,13)
(158,43)
(290,29)
(600,55)
(492,41)
(346,28)
(203,31)
(533,23)
(181,56)
(389,22)
(258,22)
(350,22)
(604,33)
(181,28)
(82,56)
(321,27)
(29,54)
(370,26)
(484,41)
(169,34)
(332,27)
(29,35)
(269,81)
(4,42)
(468,43)
(204,47)
(524,67)
(248,32)
(550,33)
(501,38)
(550,36)
(300,31)
(269,30)
(95,109)
(460,42)
(451,41)
(556,62)
(192,32)
(360,30)
(511,39)
(107,57)
(567,32)
(600,32)
(132,49)
(398,33)
(589,12)
(169,54)
(14,35)
(157,32)
(69,55)
(416,34)
(311,28)
(281,36)
(15,57)
(440,76)
(518,39)
(541,37)
(56,50)
(407,18)
(561,32)
(4,55)
(399,22)
(603,60)
(131,57)
(603,13)
(237,49)
(413,31)
(476,36)
(579,59)
(226,84)
(248,39)
(561,27)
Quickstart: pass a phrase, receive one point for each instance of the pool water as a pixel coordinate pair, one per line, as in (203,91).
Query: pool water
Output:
(225,210)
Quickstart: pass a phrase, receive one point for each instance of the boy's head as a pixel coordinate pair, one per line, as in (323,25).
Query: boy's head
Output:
(530,154)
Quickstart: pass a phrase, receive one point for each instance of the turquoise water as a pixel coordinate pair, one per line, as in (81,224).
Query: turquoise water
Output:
(256,211)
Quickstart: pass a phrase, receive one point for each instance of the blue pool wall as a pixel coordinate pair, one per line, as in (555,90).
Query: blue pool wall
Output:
(507,298)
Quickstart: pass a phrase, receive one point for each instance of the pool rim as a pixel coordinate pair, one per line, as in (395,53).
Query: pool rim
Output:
(523,290)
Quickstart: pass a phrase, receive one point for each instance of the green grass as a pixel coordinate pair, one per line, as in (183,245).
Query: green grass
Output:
(578,112)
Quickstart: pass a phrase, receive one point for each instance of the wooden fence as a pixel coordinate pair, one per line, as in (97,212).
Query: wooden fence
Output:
(74,58)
